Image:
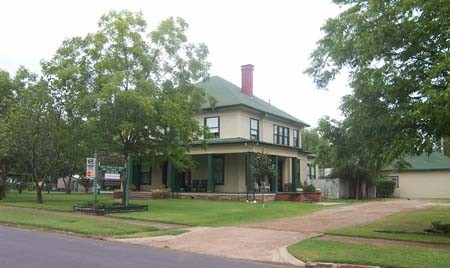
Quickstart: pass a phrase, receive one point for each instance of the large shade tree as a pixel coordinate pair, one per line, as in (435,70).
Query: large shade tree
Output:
(30,130)
(398,56)
(133,88)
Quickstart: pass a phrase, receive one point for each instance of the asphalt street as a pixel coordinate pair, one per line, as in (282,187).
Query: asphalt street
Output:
(33,249)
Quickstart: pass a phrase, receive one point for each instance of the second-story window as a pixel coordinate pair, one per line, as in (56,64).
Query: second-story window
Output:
(280,135)
(213,125)
(295,138)
(254,129)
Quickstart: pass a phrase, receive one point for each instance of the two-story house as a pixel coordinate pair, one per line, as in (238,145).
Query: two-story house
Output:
(241,125)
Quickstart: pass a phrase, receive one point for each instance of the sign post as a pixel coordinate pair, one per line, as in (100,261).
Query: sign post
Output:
(91,173)
(129,177)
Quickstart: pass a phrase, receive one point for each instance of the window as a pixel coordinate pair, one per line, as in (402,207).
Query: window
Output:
(218,169)
(146,176)
(394,179)
(213,125)
(280,135)
(254,129)
(311,171)
(295,137)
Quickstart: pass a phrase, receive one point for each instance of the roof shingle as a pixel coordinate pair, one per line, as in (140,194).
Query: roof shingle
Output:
(227,94)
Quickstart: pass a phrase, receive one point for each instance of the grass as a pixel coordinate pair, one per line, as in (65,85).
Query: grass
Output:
(55,201)
(217,213)
(384,256)
(178,211)
(150,234)
(415,221)
(70,224)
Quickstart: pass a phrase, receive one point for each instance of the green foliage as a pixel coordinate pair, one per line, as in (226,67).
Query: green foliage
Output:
(441,227)
(134,88)
(263,167)
(309,188)
(349,156)
(385,188)
(397,54)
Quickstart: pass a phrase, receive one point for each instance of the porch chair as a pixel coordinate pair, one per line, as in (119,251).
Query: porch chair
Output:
(195,185)
(256,187)
(265,186)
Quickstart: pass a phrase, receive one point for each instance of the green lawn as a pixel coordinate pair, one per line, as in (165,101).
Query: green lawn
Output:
(179,211)
(70,224)
(415,221)
(56,201)
(384,256)
(217,213)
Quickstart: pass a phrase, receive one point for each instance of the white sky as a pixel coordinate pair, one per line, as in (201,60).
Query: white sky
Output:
(275,36)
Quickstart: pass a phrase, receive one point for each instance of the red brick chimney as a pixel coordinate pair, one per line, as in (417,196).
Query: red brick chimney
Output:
(247,79)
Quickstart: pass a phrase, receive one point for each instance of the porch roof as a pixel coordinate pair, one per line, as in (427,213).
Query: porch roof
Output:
(224,141)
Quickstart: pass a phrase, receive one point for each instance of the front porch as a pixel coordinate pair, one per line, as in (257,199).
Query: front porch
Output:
(224,173)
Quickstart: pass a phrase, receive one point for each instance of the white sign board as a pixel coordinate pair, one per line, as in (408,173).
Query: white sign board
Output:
(90,167)
(112,176)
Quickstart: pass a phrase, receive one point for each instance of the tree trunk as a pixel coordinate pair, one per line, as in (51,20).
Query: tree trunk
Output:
(68,185)
(3,179)
(357,189)
(39,199)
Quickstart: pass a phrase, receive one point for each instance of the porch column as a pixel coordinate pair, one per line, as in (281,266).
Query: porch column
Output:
(211,182)
(170,176)
(294,173)
(275,178)
(248,173)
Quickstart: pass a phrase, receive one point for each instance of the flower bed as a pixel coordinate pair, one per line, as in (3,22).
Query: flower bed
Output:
(104,209)
(289,196)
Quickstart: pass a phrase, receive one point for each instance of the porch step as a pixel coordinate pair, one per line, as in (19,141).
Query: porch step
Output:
(140,195)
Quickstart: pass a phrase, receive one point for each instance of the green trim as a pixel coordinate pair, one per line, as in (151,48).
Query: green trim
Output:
(221,156)
(249,157)
(275,178)
(211,183)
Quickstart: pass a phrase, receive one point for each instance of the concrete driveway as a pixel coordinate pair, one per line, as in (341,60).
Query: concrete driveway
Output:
(267,241)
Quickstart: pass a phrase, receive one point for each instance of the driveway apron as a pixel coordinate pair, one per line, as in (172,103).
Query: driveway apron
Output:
(267,241)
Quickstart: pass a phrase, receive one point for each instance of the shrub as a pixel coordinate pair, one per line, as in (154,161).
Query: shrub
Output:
(385,188)
(309,188)
(441,227)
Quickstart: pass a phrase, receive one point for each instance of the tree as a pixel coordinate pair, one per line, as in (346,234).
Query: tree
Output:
(6,160)
(349,156)
(263,169)
(134,89)
(398,56)
(30,128)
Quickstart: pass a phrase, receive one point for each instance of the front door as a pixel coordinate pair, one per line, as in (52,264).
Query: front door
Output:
(280,176)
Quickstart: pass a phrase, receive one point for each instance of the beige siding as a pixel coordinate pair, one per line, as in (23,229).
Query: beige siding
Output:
(423,184)
(235,123)
(234,173)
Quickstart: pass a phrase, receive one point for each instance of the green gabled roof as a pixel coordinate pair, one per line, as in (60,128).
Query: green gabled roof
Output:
(228,94)
(425,162)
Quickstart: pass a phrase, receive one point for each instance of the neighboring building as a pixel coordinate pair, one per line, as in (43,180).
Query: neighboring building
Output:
(242,125)
(427,177)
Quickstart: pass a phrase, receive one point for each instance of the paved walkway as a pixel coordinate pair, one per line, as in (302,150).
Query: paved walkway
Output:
(268,241)
(161,226)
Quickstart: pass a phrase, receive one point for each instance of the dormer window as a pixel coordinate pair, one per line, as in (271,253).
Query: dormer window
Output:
(213,125)
(254,129)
